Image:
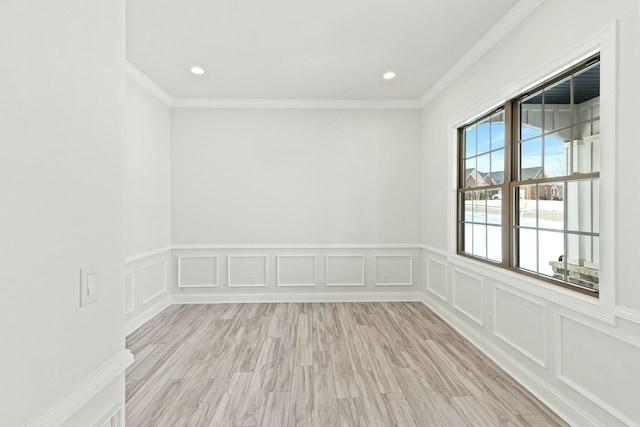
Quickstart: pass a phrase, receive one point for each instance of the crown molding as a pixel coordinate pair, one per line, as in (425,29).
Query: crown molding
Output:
(320,104)
(149,85)
(513,17)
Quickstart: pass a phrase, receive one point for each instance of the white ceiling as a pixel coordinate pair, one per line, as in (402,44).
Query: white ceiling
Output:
(301,49)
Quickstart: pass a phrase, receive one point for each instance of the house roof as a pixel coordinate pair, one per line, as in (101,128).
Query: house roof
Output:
(498,176)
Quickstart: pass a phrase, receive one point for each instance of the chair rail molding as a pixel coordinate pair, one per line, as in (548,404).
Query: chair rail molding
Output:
(82,393)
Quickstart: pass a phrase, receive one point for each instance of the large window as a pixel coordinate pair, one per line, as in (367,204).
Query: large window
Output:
(528,181)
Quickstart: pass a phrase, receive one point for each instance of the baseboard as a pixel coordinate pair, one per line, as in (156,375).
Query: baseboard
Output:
(148,314)
(301,297)
(560,404)
(81,394)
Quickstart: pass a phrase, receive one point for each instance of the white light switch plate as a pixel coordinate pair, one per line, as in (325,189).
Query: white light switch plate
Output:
(89,284)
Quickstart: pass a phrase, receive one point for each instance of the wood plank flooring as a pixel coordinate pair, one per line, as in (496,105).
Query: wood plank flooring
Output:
(317,365)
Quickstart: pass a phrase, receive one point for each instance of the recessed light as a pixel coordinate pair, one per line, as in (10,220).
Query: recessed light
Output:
(197,70)
(389,75)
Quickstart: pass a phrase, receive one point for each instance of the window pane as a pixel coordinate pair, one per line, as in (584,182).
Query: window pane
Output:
(494,208)
(581,250)
(583,261)
(494,243)
(558,267)
(550,249)
(564,134)
(531,116)
(595,203)
(467,199)
(583,200)
(470,174)
(556,154)
(497,130)
(586,155)
(497,166)
(470,141)
(484,137)
(479,207)
(557,105)
(551,206)
(582,131)
(531,159)
(480,240)
(595,254)
(484,170)
(585,112)
(468,238)
(586,89)
(527,206)
(527,248)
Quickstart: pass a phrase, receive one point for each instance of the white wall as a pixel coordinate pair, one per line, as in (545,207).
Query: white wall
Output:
(578,353)
(61,181)
(148,171)
(148,183)
(279,176)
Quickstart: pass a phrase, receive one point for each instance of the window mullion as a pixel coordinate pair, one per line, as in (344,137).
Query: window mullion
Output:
(506,222)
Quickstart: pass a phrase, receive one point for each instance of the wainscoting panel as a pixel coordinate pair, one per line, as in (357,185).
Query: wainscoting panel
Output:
(393,270)
(520,321)
(468,295)
(601,367)
(296,270)
(146,284)
(94,401)
(292,271)
(630,314)
(129,293)
(437,278)
(197,271)
(247,271)
(154,280)
(345,270)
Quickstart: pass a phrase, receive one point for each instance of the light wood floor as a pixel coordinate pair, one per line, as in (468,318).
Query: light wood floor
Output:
(324,364)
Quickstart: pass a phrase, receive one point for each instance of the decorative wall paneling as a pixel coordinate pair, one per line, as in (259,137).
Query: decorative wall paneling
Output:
(468,295)
(296,270)
(437,278)
(91,403)
(344,270)
(393,270)
(520,321)
(303,273)
(580,365)
(247,271)
(198,271)
(595,363)
(154,280)
(147,287)
(129,293)
(627,313)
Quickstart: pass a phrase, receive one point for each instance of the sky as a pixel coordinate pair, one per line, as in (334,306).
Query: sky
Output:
(489,153)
